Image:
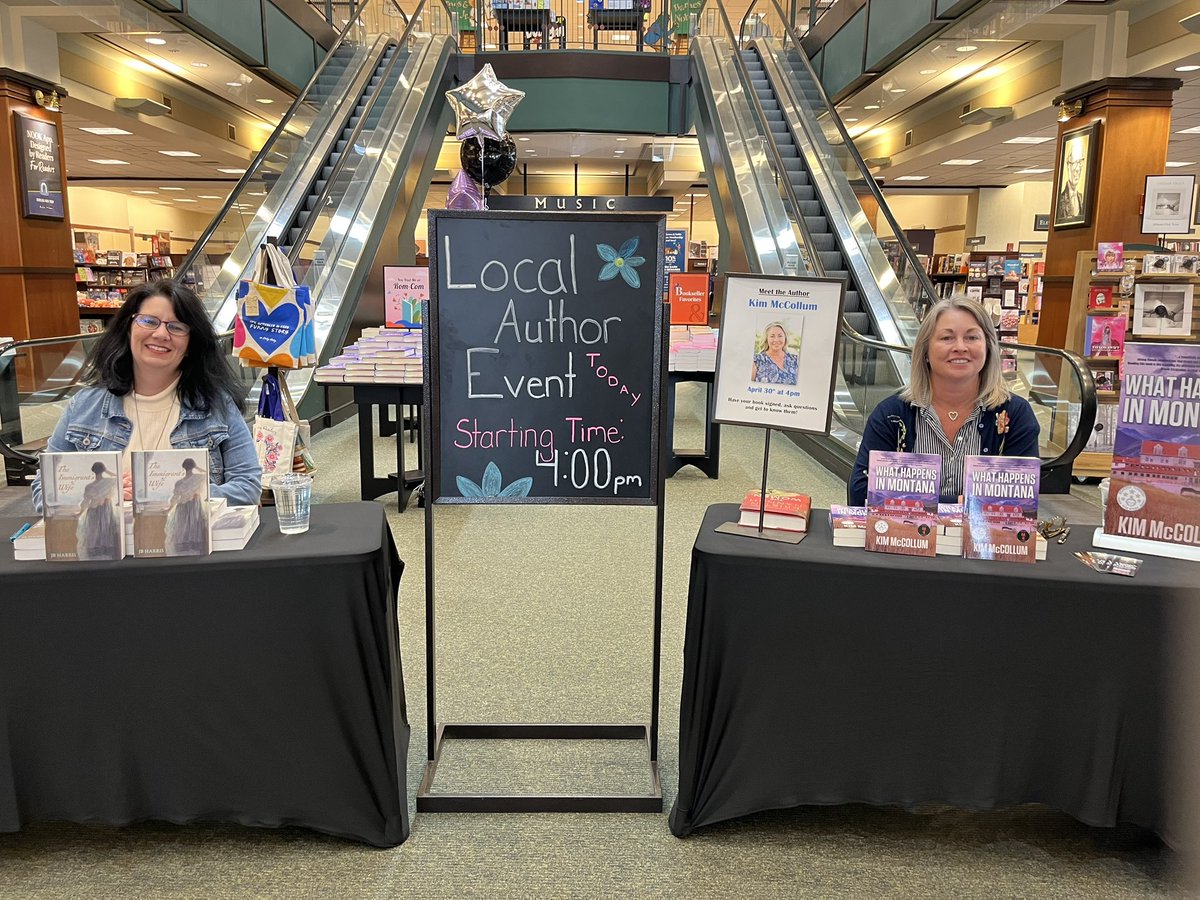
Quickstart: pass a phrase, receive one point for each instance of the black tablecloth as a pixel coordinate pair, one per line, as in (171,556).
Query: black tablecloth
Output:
(816,674)
(262,687)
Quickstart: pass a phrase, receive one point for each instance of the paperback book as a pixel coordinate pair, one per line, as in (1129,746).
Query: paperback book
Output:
(902,502)
(81,499)
(1000,500)
(849,525)
(785,510)
(171,514)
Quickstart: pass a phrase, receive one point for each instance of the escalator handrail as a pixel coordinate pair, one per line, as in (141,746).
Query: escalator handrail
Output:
(814,258)
(897,232)
(252,170)
(1087,394)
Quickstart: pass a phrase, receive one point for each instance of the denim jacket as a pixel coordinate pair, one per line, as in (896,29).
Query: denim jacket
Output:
(95,420)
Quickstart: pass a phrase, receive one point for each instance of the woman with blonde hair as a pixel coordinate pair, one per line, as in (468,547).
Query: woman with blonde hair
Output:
(773,364)
(955,404)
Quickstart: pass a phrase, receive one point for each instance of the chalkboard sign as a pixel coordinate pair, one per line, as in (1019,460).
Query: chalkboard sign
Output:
(545,357)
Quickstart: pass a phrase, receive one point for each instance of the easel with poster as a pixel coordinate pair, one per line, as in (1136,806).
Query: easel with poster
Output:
(776,363)
(1153,503)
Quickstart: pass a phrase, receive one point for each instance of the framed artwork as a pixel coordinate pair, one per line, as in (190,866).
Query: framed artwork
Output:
(1074,184)
(1163,310)
(1167,204)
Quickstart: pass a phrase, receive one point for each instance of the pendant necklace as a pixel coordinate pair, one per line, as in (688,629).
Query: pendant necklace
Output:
(952,415)
(166,421)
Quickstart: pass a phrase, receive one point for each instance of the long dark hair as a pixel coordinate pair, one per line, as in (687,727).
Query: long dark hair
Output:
(204,372)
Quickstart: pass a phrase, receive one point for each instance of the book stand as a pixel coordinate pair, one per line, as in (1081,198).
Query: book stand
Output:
(763,534)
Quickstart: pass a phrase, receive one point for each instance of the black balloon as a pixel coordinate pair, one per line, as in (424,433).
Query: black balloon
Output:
(499,159)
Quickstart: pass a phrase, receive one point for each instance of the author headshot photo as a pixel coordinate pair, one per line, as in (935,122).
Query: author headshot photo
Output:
(773,363)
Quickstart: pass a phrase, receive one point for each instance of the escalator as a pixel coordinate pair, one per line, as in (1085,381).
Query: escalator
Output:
(784,176)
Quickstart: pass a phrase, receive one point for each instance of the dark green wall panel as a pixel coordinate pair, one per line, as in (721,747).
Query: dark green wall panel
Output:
(591,104)
(891,23)
(842,54)
(289,48)
(237,21)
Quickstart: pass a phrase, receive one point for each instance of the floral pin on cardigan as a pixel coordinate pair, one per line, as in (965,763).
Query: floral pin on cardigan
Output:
(1002,429)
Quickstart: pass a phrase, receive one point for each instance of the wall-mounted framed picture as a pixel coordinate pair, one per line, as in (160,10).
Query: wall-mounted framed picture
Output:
(40,168)
(1167,204)
(1074,187)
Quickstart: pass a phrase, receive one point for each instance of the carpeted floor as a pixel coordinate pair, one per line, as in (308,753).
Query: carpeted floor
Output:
(544,614)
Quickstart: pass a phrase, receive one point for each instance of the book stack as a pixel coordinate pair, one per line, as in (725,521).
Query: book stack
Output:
(693,348)
(785,510)
(849,527)
(379,356)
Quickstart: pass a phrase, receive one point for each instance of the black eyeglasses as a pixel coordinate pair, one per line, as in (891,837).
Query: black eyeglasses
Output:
(151,323)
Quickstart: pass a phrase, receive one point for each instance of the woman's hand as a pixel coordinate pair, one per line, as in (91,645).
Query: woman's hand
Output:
(127,485)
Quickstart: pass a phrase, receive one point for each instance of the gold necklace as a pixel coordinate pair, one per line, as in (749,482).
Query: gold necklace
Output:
(166,421)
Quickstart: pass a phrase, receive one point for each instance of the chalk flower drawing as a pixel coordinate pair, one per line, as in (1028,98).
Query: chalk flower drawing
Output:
(621,261)
(491,485)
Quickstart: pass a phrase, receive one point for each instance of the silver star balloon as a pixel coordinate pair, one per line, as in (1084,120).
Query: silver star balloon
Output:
(482,105)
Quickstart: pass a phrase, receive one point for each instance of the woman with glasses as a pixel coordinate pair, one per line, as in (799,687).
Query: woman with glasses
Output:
(158,380)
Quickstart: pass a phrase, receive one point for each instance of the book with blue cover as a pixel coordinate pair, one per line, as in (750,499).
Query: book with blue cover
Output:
(902,502)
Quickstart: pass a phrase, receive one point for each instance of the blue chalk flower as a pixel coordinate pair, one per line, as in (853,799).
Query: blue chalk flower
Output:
(621,261)
(491,485)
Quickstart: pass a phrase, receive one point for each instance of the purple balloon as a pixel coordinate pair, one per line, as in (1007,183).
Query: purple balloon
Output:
(464,193)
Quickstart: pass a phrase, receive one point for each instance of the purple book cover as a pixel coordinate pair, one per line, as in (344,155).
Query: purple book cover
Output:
(1000,496)
(902,502)
(1155,489)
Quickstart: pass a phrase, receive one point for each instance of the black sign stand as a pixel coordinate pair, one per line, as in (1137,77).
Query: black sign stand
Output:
(428,799)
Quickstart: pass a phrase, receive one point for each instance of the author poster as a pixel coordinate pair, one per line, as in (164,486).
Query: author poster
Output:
(1155,490)
(778,349)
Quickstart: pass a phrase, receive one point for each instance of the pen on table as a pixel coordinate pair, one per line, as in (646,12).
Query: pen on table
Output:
(20,531)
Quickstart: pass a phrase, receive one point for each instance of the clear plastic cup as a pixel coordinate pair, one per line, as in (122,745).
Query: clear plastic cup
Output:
(293,499)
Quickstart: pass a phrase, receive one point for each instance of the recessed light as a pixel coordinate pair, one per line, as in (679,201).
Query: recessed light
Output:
(530,151)
(178,153)
(1032,171)
(170,188)
(701,196)
(144,192)
(966,48)
(209,197)
(106,131)
(929,71)
(850,120)
(871,106)
(911,177)
(897,90)
(156,41)
(539,172)
(1028,139)
(109,162)
(265,101)
(233,84)
(618,152)
(961,162)
(575,155)
(232,171)
(1186,68)
(524,139)
(196,64)
(1194,130)
(184,200)
(622,139)
(614,173)
(1178,165)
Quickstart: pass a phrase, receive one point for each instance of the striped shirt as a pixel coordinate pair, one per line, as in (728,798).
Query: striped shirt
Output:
(930,438)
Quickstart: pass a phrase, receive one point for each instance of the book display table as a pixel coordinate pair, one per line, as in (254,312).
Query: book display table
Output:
(822,675)
(261,686)
(616,20)
(524,22)
(403,481)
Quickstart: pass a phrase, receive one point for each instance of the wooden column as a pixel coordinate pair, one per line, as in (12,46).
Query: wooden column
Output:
(37,274)
(1134,116)
(870,206)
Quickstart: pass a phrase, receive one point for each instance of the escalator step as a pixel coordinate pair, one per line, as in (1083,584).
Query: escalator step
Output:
(837,273)
(799,178)
(293,236)
(301,218)
(789,152)
(778,127)
(859,321)
(804,192)
(326,172)
(853,304)
(830,259)
(824,242)
(334,157)
(795,164)
(816,224)
(810,208)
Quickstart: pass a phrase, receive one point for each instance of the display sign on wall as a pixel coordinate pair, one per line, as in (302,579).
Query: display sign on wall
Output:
(778,348)
(40,168)
(674,253)
(544,349)
(688,296)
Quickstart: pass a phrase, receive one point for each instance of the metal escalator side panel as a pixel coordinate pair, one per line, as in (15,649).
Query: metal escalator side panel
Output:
(735,147)
(881,291)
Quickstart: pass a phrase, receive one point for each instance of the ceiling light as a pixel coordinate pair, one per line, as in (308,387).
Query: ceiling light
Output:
(265,101)
(524,139)
(575,155)
(232,171)
(106,131)
(910,177)
(1068,110)
(178,153)
(234,84)
(1195,130)
(145,192)
(209,197)
(199,65)
(109,162)
(962,162)
(184,200)
(622,139)
(929,71)
(1178,165)
(170,188)
(1032,171)
(1028,139)
(849,120)
(871,106)
(539,172)
(966,48)
(897,90)
(156,41)
(618,152)
(701,196)
(1186,68)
